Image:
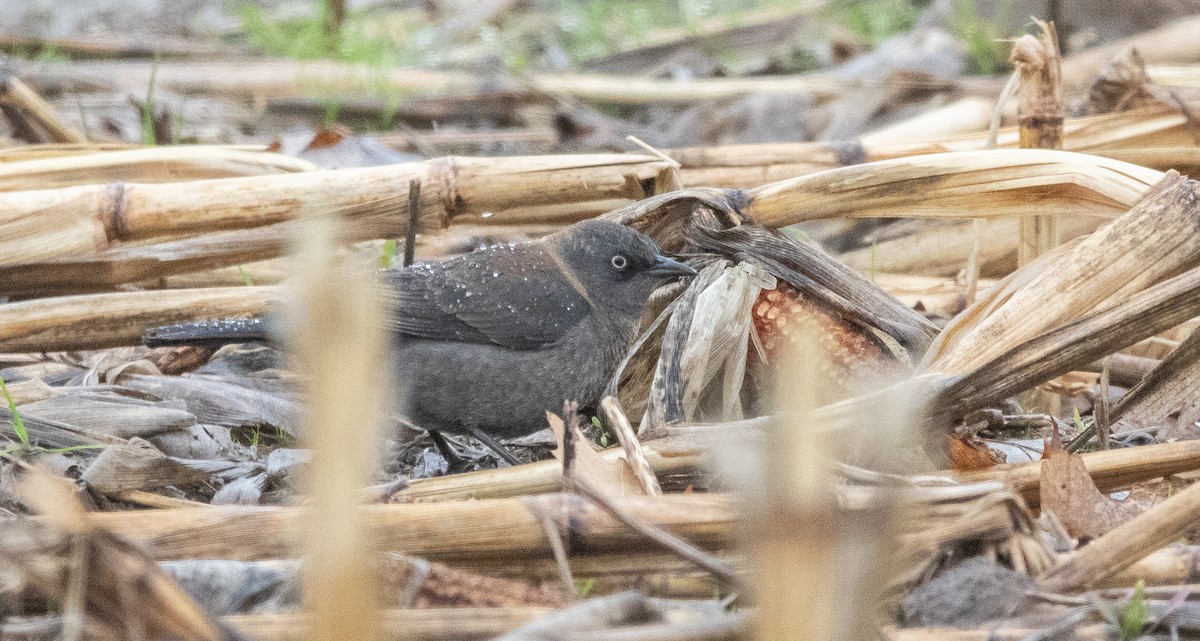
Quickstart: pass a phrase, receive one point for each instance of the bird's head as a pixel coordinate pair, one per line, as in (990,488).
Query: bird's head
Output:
(616,266)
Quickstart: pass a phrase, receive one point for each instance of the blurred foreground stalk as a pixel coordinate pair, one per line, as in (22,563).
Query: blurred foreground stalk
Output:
(818,568)
(336,325)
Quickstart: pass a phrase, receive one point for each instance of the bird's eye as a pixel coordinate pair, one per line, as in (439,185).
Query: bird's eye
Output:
(619,261)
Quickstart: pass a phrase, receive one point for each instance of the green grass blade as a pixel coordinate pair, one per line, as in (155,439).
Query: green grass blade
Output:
(18,425)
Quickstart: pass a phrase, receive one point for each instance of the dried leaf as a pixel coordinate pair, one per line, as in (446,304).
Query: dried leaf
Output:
(1068,490)
(614,478)
(967,453)
(137,464)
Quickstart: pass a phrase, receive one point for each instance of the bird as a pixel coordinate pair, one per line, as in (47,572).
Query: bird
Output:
(485,343)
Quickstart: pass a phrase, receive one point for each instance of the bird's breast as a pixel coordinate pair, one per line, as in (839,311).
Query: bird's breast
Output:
(453,386)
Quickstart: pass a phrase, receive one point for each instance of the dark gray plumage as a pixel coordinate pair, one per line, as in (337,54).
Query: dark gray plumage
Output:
(487,342)
(491,340)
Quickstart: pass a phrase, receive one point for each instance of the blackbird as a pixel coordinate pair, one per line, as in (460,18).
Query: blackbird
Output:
(487,342)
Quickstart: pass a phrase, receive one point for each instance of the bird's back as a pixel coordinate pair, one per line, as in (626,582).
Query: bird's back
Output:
(493,339)
(512,296)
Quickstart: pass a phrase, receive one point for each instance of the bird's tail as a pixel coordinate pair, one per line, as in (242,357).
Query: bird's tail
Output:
(216,332)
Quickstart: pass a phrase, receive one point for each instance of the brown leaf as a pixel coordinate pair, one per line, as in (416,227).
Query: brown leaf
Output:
(137,464)
(173,361)
(612,477)
(1052,445)
(968,453)
(1068,490)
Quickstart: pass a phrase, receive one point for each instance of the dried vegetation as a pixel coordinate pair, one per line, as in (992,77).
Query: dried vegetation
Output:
(936,378)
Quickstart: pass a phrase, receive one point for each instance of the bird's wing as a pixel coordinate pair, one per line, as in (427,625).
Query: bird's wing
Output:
(513,296)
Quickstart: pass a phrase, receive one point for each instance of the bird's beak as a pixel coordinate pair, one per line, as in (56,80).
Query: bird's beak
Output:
(667,268)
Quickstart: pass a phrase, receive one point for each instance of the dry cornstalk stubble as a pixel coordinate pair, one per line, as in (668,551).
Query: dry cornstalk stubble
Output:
(1081,302)
(1158,133)
(507,534)
(110,320)
(58,241)
(1040,120)
(1152,242)
(1173,43)
(110,234)
(148,165)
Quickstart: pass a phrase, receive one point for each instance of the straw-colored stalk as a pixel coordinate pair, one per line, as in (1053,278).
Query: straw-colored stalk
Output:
(265,78)
(1175,75)
(1184,160)
(791,523)
(506,536)
(337,334)
(669,455)
(435,624)
(1150,243)
(819,559)
(85,220)
(1171,565)
(985,184)
(1111,470)
(258,77)
(150,165)
(67,150)
(1126,544)
(262,272)
(607,565)
(437,531)
(110,320)
(1074,346)
(943,249)
(963,116)
(17,94)
(1157,135)
(1040,120)
(640,91)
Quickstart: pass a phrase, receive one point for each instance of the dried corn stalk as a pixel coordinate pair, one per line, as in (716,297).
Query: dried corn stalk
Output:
(1162,128)
(1040,119)
(109,320)
(150,165)
(984,184)
(85,221)
(109,586)
(1153,241)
